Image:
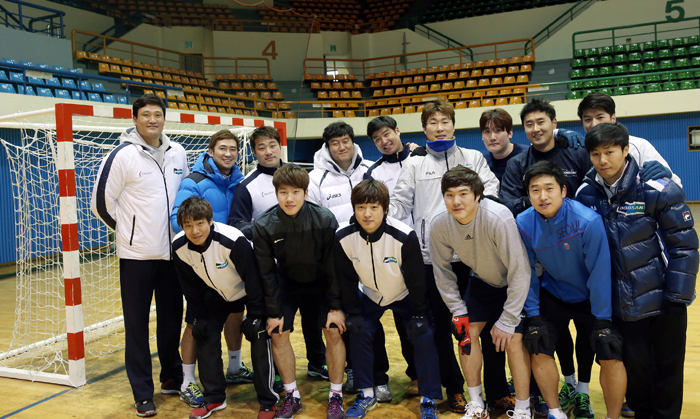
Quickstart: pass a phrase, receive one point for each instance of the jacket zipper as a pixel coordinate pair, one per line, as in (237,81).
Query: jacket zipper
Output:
(167,202)
(446,162)
(422,232)
(374,273)
(133,227)
(209,277)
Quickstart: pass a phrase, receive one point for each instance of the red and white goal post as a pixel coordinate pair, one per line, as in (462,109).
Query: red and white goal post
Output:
(68,299)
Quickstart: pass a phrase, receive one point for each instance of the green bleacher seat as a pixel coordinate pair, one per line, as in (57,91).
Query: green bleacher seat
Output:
(606,50)
(607,91)
(577,63)
(634,57)
(591,84)
(650,67)
(694,40)
(695,62)
(634,47)
(621,81)
(697,74)
(680,52)
(670,85)
(685,75)
(605,71)
(652,79)
(592,62)
(587,92)
(573,95)
(579,53)
(620,58)
(663,43)
(637,80)
(605,83)
(688,84)
(635,68)
(669,76)
(591,72)
(678,42)
(649,56)
(636,88)
(577,74)
(666,65)
(620,49)
(653,87)
(664,54)
(682,63)
(620,69)
(592,52)
(694,50)
(576,85)
(619,91)
(606,60)
(649,45)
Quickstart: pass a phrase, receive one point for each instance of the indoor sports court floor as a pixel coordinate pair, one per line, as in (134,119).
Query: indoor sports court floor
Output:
(107,394)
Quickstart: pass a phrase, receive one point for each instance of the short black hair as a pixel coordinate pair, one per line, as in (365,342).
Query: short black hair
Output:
(370,191)
(380,122)
(264,132)
(607,135)
(597,100)
(192,209)
(544,168)
(338,129)
(463,176)
(147,100)
(538,105)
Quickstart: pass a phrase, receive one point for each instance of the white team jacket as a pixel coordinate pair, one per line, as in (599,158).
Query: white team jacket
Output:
(134,194)
(330,186)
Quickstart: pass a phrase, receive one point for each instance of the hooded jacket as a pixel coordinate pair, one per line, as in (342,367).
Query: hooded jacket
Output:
(387,169)
(207,182)
(642,279)
(134,193)
(417,191)
(330,186)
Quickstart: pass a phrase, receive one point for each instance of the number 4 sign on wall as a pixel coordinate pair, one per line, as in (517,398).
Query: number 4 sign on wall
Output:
(270,50)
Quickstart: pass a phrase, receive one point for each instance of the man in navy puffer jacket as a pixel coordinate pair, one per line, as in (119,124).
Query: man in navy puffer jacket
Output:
(649,295)
(214,177)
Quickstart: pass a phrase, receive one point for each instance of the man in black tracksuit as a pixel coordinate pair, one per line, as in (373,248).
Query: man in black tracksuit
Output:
(294,247)
(218,275)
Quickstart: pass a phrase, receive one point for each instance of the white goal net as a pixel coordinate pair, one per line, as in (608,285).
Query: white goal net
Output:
(37,348)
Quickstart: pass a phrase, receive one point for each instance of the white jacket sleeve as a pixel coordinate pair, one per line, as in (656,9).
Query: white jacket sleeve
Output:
(643,151)
(314,189)
(108,186)
(401,203)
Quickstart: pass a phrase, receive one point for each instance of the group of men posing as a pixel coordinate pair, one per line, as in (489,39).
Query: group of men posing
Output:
(507,248)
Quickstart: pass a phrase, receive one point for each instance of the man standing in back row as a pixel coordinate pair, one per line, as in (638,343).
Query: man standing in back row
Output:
(133,195)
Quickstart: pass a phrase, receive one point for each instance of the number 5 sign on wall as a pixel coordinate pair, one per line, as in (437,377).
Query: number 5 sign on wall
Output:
(671,7)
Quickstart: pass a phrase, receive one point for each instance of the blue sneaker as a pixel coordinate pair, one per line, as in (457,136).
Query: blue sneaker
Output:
(192,395)
(361,406)
(428,409)
(540,407)
(626,412)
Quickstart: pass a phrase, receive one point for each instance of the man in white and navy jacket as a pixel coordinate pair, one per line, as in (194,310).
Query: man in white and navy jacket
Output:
(383,254)
(218,274)
(133,195)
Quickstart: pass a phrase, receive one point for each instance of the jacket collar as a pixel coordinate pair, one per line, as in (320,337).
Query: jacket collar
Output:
(561,214)
(269,170)
(397,157)
(441,154)
(374,237)
(324,161)
(287,219)
(203,248)
(205,165)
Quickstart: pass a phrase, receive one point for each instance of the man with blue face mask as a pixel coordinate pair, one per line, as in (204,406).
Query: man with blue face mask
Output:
(417,193)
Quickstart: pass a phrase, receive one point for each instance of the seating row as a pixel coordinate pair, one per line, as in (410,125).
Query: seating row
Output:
(463,75)
(637,47)
(636,88)
(481,64)
(460,85)
(636,68)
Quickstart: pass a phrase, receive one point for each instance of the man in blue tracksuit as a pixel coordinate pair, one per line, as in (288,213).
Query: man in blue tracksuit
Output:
(650,293)
(569,241)
(383,255)
(214,178)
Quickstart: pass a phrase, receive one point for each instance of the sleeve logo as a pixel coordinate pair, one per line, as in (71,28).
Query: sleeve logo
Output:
(390,259)
(177,171)
(687,216)
(222,265)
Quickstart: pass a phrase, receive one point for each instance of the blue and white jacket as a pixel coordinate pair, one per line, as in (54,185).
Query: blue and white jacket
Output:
(208,183)
(642,279)
(254,195)
(387,263)
(572,247)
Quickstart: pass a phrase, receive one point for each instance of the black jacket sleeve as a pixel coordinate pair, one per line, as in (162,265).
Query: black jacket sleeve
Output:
(334,289)
(345,271)
(264,253)
(241,213)
(194,289)
(513,193)
(414,274)
(243,259)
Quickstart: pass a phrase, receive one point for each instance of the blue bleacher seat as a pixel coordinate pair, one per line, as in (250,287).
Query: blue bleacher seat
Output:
(109,98)
(3,76)
(28,91)
(16,77)
(44,66)
(98,86)
(94,97)
(43,91)
(84,84)
(69,84)
(53,82)
(78,96)
(6,88)
(9,61)
(59,68)
(62,93)
(35,80)
(123,100)
(26,63)
(74,70)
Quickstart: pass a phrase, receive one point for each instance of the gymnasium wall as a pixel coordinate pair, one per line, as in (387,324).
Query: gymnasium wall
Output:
(22,46)
(74,18)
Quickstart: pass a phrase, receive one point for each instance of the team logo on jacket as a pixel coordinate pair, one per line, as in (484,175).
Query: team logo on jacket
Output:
(570,173)
(177,171)
(566,246)
(687,216)
(142,174)
(631,208)
(222,265)
(390,259)
(333,195)
(264,194)
(429,173)
(468,237)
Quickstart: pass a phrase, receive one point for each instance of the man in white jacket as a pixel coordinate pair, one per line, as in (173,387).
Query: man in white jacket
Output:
(417,193)
(338,167)
(133,195)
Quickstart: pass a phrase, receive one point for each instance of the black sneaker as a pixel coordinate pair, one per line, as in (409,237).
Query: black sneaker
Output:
(145,408)
(170,387)
(319,372)
(582,406)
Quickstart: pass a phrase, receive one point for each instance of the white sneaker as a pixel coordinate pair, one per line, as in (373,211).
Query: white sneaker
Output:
(382,393)
(519,414)
(476,412)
